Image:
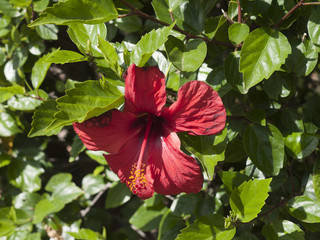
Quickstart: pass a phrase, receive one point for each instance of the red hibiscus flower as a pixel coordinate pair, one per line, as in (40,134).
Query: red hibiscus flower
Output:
(142,141)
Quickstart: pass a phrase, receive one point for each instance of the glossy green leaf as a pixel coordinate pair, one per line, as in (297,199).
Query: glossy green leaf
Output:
(231,70)
(129,24)
(265,147)
(282,230)
(184,204)
(148,44)
(45,207)
(305,209)
(26,200)
(5,160)
(92,98)
(301,145)
(8,125)
(92,184)
(210,227)
(8,92)
(66,192)
(57,179)
(47,31)
(23,103)
(262,53)
(76,148)
(186,57)
(25,175)
(40,5)
(85,36)
(238,32)
(314,26)
(76,11)
(208,149)
(40,69)
(303,58)
(188,14)
(42,118)
(232,180)
(117,195)
(213,25)
(147,219)
(86,234)
(316,178)
(247,200)
(97,156)
(256,7)
(110,58)
(64,56)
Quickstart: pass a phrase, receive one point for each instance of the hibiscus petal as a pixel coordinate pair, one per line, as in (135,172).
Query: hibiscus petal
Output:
(198,110)
(173,171)
(107,132)
(145,90)
(124,164)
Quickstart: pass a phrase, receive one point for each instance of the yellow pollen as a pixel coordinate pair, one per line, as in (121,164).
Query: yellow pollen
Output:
(137,181)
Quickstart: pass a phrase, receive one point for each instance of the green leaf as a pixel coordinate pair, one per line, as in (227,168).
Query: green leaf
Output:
(129,24)
(23,103)
(92,184)
(86,100)
(66,192)
(97,156)
(314,26)
(7,92)
(76,148)
(57,179)
(265,147)
(316,178)
(8,125)
(282,230)
(186,57)
(208,149)
(238,32)
(25,175)
(5,160)
(210,227)
(232,180)
(148,44)
(40,5)
(64,56)
(247,200)
(188,14)
(231,70)
(47,31)
(303,59)
(46,207)
(86,234)
(117,195)
(213,25)
(42,118)
(26,200)
(110,58)
(86,37)
(301,145)
(78,11)
(184,204)
(262,53)
(40,69)
(305,209)
(147,219)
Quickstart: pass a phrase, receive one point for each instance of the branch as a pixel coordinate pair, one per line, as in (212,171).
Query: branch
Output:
(188,35)
(289,13)
(84,212)
(239,12)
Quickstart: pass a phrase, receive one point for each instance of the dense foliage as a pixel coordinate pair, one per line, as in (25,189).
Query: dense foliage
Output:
(62,61)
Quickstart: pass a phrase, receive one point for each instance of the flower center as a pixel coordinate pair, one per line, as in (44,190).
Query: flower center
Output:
(137,182)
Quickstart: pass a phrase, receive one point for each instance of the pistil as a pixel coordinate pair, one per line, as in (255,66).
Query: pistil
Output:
(137,180)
